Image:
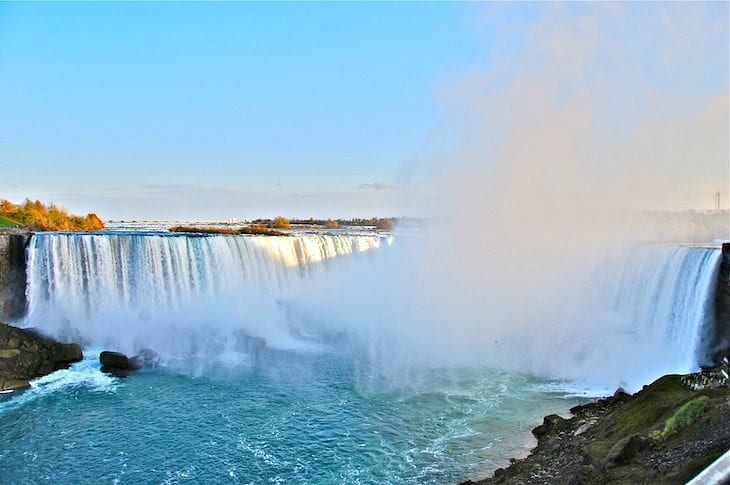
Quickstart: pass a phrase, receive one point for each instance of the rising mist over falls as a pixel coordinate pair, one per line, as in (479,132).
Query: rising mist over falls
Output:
(387,303)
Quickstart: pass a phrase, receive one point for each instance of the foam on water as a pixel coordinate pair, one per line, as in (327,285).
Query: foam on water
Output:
(84,374)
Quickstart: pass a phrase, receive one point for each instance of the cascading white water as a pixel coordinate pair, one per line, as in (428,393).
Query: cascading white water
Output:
(644,314)
(622,320)
(161,271)
(96,282)
(668,294)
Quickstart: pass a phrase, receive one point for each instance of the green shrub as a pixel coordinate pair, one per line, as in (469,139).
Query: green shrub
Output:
(684,416)
(654,402)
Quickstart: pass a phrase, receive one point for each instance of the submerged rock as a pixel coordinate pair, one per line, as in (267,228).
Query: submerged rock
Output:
(145,358)
(116,371)
(25,353)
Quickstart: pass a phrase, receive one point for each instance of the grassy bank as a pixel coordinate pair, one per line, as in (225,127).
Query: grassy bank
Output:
(6,222)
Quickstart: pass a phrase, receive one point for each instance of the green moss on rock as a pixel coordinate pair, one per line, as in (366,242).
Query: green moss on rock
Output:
(661,396)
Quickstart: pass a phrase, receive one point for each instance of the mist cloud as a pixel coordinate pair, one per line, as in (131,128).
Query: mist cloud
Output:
(543,169)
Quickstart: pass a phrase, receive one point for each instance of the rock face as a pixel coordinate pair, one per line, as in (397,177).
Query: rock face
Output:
(26,354)
(720,344)
(12,273)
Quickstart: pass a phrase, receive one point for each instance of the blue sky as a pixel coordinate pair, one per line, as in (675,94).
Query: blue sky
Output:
(107,102)
(215,110)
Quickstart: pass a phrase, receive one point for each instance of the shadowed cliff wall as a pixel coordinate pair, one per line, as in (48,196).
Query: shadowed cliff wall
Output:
(12,274)
(720,346)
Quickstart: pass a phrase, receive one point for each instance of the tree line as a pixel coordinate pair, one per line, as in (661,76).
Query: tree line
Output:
(381,223)
(37,216)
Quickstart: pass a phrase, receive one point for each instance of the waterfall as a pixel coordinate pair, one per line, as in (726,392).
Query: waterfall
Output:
(161,271)
(622,319)
(667,294)
(105,284)
(646,312)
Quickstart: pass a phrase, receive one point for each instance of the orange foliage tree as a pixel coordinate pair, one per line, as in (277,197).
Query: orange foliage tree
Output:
(281,223)
(35,215)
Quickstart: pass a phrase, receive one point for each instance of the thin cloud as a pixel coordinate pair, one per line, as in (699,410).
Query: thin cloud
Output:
(377,186)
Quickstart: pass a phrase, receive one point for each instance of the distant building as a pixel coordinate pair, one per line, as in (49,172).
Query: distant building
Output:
(717,200)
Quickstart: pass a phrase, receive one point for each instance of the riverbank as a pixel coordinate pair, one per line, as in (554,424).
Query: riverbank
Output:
(666,433)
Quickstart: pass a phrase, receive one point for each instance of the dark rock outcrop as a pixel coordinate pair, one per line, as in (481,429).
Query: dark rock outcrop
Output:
(719,345)
(549,424)
(26,354)
(12,273)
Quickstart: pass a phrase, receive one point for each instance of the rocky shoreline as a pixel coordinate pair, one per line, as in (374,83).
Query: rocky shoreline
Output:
(26,354)
(666,433)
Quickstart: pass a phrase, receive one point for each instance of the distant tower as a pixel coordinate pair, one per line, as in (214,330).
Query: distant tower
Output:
(717,200)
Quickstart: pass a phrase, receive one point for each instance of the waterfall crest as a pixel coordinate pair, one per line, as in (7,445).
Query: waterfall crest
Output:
(161,270)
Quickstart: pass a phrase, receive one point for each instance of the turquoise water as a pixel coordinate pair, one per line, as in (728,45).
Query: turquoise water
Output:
(282,417)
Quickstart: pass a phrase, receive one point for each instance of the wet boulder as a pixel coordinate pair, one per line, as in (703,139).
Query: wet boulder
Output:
(116,363)
(109,358)
(27,353)
(120,365)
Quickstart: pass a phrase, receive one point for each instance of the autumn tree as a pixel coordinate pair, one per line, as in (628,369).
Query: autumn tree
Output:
(281,223)
(35,215)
